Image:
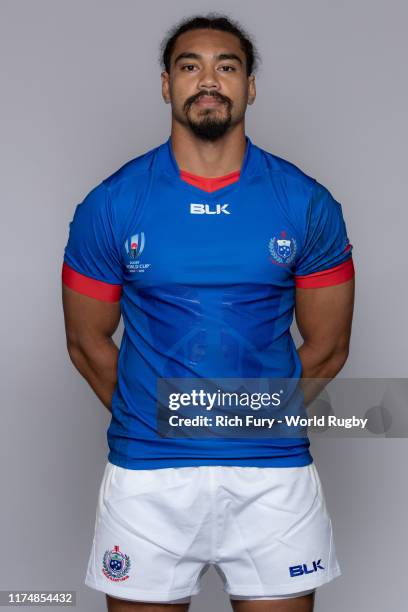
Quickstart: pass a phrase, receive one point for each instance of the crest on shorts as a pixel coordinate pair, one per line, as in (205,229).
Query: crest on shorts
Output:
(283,249)
(116,564)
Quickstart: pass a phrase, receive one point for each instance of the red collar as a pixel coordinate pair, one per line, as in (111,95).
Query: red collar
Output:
(212,183)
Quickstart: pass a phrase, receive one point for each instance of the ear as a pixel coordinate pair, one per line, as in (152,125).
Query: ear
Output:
(165,79)
(251,89)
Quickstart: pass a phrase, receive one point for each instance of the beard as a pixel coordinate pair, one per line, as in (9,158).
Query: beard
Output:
(208,126)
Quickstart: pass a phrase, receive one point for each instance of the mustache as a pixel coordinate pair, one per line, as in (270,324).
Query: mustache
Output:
(213,94)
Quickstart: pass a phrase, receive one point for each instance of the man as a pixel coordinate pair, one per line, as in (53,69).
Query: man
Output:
(206,245)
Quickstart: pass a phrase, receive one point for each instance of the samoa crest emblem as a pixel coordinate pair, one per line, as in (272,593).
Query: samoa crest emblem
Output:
(283,249)
(116,565)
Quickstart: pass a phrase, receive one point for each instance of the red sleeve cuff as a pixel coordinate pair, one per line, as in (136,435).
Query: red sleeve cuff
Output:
(91,287)
(325,278)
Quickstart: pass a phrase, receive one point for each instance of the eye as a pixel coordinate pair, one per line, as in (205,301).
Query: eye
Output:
(229,68)
(188,66)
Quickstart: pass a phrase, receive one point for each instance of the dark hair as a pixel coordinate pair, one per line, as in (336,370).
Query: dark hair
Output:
(211,21)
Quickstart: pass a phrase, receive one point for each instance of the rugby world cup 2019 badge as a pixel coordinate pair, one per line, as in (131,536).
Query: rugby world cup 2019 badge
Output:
(283,249)
(134,247)
(116,565)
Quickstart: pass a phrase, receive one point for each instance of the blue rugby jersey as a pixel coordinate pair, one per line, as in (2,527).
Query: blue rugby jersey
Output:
(206,282)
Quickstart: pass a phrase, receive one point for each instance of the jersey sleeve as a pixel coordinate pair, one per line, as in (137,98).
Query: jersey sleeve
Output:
(326,256)
(92,263)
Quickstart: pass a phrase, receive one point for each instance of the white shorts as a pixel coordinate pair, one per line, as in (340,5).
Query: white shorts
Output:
(266,531)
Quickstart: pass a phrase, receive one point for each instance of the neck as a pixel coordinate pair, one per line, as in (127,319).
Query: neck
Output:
(208,159)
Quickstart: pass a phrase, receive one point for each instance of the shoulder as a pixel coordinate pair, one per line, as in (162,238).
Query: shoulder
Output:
(131,172)
(291,188)
(295,181)
(126,185)
(286,172)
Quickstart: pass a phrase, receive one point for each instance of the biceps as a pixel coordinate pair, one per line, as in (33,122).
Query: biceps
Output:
(88,319)
(324,315)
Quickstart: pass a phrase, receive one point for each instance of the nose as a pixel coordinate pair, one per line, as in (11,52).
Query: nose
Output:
(208,79)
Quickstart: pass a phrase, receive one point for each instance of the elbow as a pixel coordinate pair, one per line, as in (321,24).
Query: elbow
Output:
(72,340)
(74,350)
(76,346)
(339,358)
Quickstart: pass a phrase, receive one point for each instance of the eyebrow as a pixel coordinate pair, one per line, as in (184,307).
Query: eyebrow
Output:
(220,56)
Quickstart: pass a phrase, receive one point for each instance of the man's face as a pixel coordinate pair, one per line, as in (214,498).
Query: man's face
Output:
(208,87)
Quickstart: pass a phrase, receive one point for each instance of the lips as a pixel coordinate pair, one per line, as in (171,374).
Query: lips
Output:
(209,101)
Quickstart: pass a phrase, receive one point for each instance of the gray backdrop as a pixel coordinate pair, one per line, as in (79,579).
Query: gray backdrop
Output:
(80,96)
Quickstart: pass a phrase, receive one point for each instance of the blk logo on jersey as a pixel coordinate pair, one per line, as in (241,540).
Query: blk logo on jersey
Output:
(301,570)
(134,248)
(116,565)
(283,250)
(207,209)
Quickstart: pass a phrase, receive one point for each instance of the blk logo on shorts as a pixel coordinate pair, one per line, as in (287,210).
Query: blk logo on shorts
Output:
(116,565)
(301,570)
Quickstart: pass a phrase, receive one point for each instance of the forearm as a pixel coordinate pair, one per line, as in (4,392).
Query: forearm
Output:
(97,363)
(318,368)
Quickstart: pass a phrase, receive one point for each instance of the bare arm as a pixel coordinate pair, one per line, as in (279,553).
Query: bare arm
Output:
(324,318)
(89,325)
